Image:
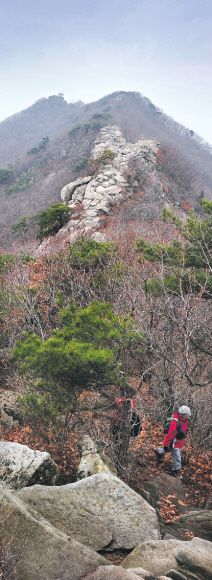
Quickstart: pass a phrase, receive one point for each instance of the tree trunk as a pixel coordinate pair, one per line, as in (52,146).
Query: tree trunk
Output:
(125,432)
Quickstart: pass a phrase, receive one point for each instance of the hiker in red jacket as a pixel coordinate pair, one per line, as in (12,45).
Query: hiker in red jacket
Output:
(175,439)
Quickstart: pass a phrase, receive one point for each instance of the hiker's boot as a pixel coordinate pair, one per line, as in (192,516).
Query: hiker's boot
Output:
(158,455)
(177,473)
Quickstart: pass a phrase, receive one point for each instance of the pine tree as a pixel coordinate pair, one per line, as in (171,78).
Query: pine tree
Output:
(188,263)
(50,221)
(80,355)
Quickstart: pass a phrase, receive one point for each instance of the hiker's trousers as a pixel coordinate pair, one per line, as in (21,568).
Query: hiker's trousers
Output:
(175,455)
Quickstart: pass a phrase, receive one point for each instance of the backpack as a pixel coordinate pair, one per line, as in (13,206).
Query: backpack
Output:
(135,424)
(180,433)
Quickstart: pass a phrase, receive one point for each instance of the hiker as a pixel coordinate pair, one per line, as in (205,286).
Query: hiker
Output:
(135,423)
(175,438)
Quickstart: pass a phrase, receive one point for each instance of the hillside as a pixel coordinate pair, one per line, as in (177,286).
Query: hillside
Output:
(106,298)
(23,130)
(134,113)
(35,180)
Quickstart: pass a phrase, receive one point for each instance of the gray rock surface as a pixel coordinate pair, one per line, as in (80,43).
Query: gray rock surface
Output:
(195,557)
(113,573)
(199,522)
(58,506)
(106,499)
(155,556)
(91,462)
(177,575)
(48,554)
(20,466)
(68,190)
(99,193)
(142,573)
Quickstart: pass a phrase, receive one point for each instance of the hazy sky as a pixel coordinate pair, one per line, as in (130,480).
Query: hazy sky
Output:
(89,48)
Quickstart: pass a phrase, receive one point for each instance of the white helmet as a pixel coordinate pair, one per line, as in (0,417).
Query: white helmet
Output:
(184,410)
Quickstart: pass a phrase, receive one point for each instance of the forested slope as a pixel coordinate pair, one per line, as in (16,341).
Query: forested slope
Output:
(109,319)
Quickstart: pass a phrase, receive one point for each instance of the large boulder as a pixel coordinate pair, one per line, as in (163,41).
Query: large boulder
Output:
(91,462)
(142,573)
(45,552)
(155,556)
(113,573)
(117,573)
(198,522)
(105,500)
(68,190)
(195,557)
(58,506)
(20,466)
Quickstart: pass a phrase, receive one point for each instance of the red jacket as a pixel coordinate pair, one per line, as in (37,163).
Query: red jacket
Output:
(173,432)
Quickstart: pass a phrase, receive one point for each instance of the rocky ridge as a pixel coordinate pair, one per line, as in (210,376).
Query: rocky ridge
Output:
(98,194)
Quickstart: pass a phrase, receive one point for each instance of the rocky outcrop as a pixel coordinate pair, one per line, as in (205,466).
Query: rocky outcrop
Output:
(155,556)
(195,557)
(113,573)
(102,497)
(117,573)
(176,559)
(199,522)
(68,190)
(60,529)
(45,552)
(91,462)
(60,507)
(98,194)
(20,466)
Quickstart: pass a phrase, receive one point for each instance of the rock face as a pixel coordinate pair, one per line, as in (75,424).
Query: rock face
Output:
(20,466)
(48,554)
(61,509)
(157,557)
(174,558)
(113,573)
(105,500)
(199,522)
(91,461)
(118,573)
(98,194)
(195,557)
(68,190)
(57,531)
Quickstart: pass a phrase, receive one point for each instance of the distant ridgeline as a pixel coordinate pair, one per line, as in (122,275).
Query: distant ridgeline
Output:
(53,115)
